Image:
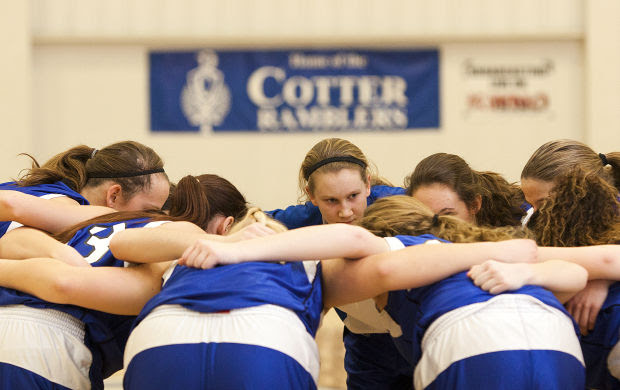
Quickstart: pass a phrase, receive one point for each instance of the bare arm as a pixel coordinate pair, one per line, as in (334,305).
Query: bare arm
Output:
(115,290)
(562,278)
(25,242)
(346,281)
(601,261)
(52,215)
(307,243)
(163,243)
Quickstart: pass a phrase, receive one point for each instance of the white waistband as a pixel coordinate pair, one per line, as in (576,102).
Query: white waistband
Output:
(50,317)
(506,322)
(269,326)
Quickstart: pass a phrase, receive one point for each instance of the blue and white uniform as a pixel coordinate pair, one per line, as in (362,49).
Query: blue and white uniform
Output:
(601,365)
(47,191)
(46,345)
(362,367)
(372,360)
(308,214)
(458,336)
(464,337)
(241,326)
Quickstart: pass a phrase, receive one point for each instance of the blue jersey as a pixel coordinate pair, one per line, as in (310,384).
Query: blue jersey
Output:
(308,214)
(416,309)
(597,344)
(372,359)
(295,286)
(41,190)
(106,334)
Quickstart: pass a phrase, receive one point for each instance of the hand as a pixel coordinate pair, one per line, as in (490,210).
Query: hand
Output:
(517,251)
(496,277)
(206,254)
(254,230)
(586,304)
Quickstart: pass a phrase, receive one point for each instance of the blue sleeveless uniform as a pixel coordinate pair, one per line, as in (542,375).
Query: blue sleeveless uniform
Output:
(362,371)
(459,336)
(249,325)
(308,214)
(597,344)
(372,360)
(41,190)
(99,338)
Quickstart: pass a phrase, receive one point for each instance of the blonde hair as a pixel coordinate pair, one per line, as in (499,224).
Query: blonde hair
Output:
(330,148)
(255,214)
(404,215)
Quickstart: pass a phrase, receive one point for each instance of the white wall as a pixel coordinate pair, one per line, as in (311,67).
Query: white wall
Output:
(86,63)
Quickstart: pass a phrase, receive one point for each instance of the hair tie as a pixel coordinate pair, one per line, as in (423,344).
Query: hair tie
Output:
(103,175)
(435,221)
(92,154)
(326,161)
(603,158)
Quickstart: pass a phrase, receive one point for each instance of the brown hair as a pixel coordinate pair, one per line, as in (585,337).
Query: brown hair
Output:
(557,158)
(581,210)
(501,200)
(330,148)
(75,167)
(404,215)
(195,199)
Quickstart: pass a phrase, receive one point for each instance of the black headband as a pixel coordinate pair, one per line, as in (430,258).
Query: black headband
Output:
(350,159)
(102,175)
(603,159)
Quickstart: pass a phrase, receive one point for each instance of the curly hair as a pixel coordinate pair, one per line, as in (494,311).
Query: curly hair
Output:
(582,209)
(400,214)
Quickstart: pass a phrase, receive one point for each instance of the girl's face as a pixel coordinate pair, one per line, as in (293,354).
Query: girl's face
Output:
(341,196)
(151,199)
(442,199)
(535,191)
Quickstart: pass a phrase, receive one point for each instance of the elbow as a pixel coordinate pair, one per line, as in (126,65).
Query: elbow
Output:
(581,278)
(386,277)
(61,290)
(360,238)
(118,244)
(7,205)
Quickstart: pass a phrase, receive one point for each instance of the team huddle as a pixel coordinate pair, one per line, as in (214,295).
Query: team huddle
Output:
(457,280)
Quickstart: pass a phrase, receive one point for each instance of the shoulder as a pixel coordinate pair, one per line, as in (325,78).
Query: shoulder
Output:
(380,191)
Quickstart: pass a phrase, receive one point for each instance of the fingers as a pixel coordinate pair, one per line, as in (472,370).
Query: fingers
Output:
(197,256)
(575,310)
(484,277)
(593,313)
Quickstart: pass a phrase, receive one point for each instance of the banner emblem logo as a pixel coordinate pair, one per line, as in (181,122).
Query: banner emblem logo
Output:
(205,98)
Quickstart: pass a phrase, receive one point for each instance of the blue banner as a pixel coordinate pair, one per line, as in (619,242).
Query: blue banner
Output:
(294,90)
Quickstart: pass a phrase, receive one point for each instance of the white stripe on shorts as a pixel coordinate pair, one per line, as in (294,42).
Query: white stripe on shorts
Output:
(503,323)
(268,326)
(48,342)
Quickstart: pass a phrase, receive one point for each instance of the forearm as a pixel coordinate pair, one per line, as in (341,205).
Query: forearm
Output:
(151,245)
(310,243)
(24,243)
(558,276)
(601,261)
(51,215)
(411,267)
(114,290)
